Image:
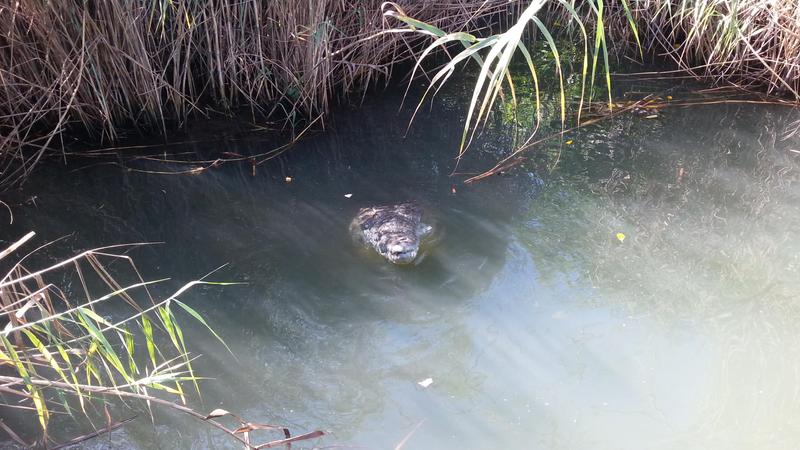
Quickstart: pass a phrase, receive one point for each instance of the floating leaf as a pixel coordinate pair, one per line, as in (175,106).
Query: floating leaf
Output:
(217,413)
(651,116)
(569,142)
(621,237)
(426,382)
(348,195)
(669,97)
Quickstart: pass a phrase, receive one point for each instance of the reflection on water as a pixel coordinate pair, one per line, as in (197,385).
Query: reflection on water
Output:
(539,328)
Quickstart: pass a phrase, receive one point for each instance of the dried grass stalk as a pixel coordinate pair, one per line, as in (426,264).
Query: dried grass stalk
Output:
(140,63)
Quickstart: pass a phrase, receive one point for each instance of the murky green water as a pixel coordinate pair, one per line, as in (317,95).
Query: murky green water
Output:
(538,327)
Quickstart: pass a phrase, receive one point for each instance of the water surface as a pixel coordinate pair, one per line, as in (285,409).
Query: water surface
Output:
(539,328)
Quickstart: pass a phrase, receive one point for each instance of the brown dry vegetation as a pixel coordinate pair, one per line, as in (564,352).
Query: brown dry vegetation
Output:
(751,43)
(139,63)
(99,66)
(745,44)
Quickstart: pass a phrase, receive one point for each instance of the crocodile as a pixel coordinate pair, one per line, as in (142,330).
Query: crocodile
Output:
(394,231)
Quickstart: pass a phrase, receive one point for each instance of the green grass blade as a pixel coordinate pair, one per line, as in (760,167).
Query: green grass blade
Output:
(632,24)
(200,319)
(554,51)
(585,66)
(532,68)
(147,329)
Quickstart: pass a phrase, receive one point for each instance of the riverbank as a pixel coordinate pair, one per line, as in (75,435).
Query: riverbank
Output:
(154,66)
(141,64)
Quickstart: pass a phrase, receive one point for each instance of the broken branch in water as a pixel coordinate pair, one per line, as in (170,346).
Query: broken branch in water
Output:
(244,429)
(651,102)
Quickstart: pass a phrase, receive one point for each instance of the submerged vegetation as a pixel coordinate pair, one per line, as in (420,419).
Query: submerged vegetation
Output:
(62,356)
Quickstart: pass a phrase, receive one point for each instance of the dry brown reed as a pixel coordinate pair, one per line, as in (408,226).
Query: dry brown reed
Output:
(106,65)
(745,43)
(137,63)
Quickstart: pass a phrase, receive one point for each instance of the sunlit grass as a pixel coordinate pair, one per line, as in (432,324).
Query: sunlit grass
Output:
(62,357)
(108,66)
(744,43)
(500,49)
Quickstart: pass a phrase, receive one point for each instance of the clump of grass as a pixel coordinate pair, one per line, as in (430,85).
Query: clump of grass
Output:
(745,43)
(748,43)
(60,356)
(103,66)
(138,63)
(494,55)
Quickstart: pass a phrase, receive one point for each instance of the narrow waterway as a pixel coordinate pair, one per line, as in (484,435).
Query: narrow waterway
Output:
(538,325)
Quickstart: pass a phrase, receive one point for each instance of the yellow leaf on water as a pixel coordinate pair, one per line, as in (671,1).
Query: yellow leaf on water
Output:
(669,97)
(621,237)
(569,142)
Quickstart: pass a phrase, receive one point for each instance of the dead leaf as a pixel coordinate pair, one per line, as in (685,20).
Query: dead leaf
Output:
(217,413)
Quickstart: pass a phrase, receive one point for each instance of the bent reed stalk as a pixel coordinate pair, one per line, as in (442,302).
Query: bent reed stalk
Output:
(60,356)
(745,43)
(139,63)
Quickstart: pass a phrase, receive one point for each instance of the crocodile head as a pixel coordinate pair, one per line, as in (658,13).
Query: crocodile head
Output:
(394,231)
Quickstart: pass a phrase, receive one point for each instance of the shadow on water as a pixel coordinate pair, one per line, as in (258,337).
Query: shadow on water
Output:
(538,326)
(327,334)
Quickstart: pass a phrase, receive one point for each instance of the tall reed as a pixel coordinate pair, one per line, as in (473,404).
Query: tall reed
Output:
(141,63)
(741,42)
(750,43)
(138,63)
